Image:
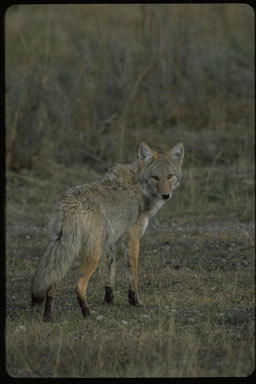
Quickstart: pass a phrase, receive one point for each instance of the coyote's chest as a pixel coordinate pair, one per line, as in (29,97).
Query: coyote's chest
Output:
(153,206)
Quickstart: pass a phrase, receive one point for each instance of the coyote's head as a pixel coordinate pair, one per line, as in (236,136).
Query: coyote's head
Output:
(161,173)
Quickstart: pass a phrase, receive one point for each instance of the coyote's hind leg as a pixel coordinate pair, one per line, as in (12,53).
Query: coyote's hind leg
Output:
(89,264)
(109,264)
(134,246)
(48,304)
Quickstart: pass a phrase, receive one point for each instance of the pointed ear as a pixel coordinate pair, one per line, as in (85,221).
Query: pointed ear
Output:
(146,154)
(176,154)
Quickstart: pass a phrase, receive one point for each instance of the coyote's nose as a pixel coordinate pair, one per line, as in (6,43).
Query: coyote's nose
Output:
(165,196)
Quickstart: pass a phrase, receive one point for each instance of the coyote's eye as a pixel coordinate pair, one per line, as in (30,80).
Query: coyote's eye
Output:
(170,176)
(154,177)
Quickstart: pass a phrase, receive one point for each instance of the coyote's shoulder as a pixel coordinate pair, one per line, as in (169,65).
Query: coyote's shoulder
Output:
(92,217)
(122,174)
(121,177)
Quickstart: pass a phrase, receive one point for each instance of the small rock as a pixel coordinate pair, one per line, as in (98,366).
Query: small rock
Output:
(20,328)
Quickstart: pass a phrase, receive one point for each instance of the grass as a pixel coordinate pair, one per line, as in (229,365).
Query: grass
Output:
(197,281)
(198,291)
(157,73)
(84,85)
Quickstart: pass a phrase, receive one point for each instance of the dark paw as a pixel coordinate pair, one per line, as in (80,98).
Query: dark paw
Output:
(47,316)
(83,305)
(109,297)
(86,312)
(133,299)
(36,301)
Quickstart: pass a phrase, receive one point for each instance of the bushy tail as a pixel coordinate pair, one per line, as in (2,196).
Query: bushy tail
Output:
(59,255)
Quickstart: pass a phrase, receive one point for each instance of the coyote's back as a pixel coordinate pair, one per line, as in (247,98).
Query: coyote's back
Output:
(93,217)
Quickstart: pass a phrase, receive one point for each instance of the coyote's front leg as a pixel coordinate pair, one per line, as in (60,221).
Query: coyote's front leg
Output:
(134,246)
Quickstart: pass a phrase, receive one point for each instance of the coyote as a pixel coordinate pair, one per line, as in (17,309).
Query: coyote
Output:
(92,217)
